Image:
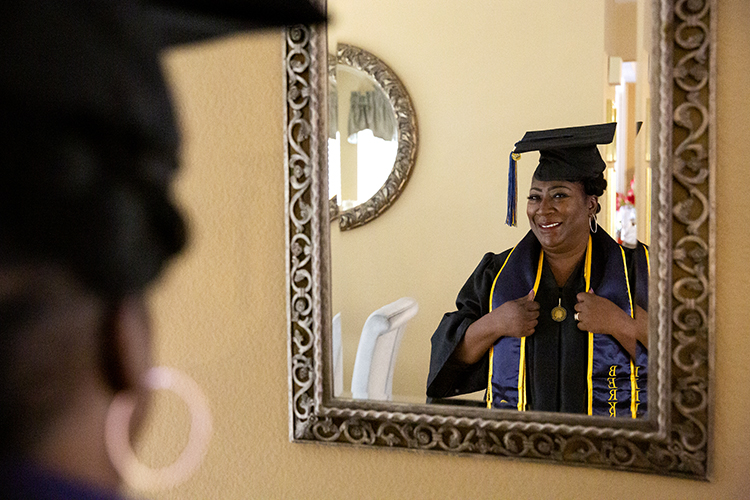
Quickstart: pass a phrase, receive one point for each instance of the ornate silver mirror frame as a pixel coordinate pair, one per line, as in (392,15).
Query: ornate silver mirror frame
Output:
(406,122)
(675,439)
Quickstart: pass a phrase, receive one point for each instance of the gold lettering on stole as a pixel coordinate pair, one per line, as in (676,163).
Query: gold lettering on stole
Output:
(637,389)
(613,391)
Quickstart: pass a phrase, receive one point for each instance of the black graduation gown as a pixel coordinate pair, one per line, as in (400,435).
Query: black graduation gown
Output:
(556,353)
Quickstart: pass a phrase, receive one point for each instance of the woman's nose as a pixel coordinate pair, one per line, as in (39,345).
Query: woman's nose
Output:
(545,205)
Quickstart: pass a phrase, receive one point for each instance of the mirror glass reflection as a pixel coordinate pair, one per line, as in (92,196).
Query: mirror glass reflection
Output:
(480,78)
(362,138)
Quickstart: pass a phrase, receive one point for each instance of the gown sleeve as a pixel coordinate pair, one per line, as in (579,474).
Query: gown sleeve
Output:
(448,376)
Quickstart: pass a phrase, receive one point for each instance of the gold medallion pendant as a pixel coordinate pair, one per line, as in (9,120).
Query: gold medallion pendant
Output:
(559,313)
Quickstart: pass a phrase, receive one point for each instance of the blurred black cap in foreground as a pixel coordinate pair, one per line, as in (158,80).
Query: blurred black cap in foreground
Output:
(90,142)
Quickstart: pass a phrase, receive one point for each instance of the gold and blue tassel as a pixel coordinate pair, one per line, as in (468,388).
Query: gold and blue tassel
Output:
(510,219)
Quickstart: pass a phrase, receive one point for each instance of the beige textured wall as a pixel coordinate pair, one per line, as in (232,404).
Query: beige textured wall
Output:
(220,312)
(620,18)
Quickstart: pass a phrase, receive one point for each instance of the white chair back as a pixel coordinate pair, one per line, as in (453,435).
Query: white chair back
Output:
(378,349)
(338,357)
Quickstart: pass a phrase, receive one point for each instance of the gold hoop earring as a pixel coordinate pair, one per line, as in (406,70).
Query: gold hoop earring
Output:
(117,433)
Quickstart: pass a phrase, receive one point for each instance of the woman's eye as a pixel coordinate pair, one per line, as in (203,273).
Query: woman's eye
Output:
(533,197)
(559,195)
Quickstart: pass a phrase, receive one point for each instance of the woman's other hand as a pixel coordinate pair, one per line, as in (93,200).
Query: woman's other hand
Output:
(515,318)
(600,315)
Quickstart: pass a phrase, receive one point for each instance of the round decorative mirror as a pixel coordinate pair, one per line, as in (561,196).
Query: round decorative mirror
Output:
(372,137)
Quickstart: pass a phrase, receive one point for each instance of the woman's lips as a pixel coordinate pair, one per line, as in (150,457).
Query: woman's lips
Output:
(550,225)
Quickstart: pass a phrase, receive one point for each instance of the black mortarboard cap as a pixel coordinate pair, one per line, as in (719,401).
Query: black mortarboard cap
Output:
(568,154)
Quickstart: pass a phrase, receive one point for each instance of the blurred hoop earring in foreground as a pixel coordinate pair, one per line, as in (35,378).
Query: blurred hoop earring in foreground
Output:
(117,433)
(593,223)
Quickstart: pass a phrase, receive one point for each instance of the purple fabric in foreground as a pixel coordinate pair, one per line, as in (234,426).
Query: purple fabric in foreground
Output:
(25,481)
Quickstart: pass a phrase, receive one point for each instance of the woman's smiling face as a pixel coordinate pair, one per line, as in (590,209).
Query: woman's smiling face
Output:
(559,213)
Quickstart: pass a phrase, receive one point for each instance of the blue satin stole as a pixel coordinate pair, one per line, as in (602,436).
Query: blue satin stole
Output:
(616,385)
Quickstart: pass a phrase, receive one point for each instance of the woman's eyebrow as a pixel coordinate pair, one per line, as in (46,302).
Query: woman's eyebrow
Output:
(561,186)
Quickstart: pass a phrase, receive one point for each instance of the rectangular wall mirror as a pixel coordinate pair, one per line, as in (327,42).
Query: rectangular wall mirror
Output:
(475,96)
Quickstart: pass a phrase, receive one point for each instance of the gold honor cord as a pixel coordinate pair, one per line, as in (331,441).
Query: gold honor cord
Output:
(522,358)
(522,376)
(489,380)
(648,264)
(590,368)
(522,354)
(492,347)
(590,381)
(633,384)
(633,391)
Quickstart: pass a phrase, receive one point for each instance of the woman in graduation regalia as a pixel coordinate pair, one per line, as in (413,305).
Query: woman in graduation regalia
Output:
(558,322)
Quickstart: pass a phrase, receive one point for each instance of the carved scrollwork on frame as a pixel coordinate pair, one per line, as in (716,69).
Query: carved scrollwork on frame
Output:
(675,438)
(692,170)
(301,146)
(406,124)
